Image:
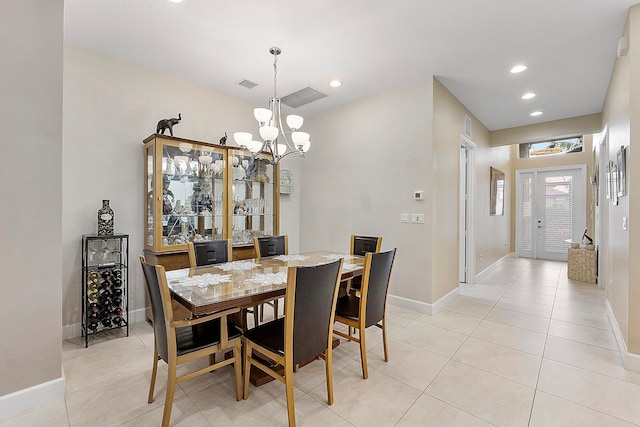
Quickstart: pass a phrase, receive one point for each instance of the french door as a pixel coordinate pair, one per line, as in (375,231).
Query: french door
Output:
(550,211)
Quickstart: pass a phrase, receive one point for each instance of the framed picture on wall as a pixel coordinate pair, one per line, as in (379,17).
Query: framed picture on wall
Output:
(497,192)
(621,163)
(613,182)
(594,184)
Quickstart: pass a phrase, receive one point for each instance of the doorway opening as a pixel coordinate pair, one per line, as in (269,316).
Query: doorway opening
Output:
(550,211)
(466,251)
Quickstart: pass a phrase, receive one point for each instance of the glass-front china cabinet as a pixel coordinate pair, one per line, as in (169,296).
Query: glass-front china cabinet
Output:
(197,191)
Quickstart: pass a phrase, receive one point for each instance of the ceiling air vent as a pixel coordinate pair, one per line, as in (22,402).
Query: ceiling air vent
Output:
(247,83)
(302,97)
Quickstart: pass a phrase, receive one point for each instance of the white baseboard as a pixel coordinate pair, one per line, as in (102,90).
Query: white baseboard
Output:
(631,361)
(17,402)
(137,316)
(75,329)
(490,269)
(422,307)
(71,331)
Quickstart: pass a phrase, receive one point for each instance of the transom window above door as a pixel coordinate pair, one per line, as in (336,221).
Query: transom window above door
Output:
(550,148)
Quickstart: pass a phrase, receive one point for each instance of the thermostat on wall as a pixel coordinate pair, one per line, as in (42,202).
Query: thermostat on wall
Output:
(418,195)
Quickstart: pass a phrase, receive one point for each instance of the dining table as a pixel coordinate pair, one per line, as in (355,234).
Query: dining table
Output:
(248,283)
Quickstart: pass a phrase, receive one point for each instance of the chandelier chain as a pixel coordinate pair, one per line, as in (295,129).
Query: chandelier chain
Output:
(275,74)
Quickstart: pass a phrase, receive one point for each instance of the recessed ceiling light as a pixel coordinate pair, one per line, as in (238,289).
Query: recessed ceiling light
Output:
(528,95)
(175,1)
(518,69)
(536,113)
(335,83)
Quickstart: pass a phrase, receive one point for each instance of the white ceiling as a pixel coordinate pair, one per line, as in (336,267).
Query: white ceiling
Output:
(569,47)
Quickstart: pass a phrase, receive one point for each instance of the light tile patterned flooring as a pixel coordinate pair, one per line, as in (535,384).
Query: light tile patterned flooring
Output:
(525,347)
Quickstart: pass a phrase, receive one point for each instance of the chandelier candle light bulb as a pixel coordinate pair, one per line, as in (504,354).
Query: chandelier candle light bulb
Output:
(270,127)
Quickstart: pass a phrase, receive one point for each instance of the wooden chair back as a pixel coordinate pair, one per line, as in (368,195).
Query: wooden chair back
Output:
(375,285)
(209,252)
(360,245)
(161,308)
(271,246)
(311,296)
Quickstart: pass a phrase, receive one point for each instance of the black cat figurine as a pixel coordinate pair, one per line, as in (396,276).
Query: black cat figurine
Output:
(165,124)
(223,140)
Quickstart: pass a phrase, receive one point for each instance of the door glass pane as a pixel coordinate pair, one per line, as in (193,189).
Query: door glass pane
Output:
(559,213)
(151,199)
(526,228)
(253,198)
(192,194)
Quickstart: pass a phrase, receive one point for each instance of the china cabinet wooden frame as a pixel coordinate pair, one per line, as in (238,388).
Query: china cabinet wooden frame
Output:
(198,190)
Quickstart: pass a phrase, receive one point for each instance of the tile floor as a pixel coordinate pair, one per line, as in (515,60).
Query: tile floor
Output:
(525,347)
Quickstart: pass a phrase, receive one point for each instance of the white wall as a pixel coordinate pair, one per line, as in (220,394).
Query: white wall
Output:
(109,108)
(30,208)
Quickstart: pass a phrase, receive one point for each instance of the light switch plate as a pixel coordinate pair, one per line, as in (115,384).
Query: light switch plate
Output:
(404,217)
(417,218)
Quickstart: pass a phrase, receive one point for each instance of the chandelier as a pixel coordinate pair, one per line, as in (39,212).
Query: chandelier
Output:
(275,141)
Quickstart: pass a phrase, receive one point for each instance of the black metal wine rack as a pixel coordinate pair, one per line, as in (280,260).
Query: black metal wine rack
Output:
(105,278)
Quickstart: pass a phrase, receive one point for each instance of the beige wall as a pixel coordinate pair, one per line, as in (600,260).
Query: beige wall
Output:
(616,118)
(621,115)
(570,159)
(109,108)
(367,159)
(633,200)
(491,232)
(31,206)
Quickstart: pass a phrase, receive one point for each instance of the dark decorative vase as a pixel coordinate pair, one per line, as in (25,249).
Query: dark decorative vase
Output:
(105,219)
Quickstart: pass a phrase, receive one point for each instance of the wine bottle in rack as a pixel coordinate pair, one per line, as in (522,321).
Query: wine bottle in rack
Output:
(116,282)
(106,322)
(93,324)
(92,285)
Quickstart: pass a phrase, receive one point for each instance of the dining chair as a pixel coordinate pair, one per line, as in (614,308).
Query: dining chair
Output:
(369,308)
(209,252)
(303,334)
(181,341)
(360,245)
(270,246)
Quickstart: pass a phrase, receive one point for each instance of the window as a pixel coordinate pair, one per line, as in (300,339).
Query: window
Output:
(550,148)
